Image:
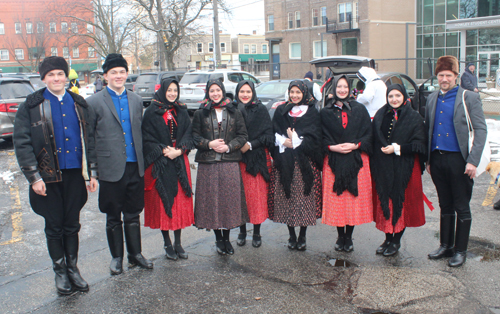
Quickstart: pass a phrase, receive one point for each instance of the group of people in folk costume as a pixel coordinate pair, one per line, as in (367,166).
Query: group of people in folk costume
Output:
(335,164)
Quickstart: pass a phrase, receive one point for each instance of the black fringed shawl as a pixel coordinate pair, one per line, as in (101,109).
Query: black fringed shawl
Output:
(156,136)
(358,130)
(391,172)
(260,132)
(309,129)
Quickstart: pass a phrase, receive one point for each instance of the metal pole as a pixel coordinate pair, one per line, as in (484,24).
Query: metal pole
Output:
(407,49)
(322,68)
(217,58)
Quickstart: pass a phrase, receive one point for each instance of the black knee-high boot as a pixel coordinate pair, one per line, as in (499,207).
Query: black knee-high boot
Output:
(134,247)
(301,243)
(393,248)
(219,242)
(177,245)
(383,246)
(242,236)
(227,243)
(257,239)
(71,250)
(348,245)
(292,241)
(339,245)
(169,249)
(56,252)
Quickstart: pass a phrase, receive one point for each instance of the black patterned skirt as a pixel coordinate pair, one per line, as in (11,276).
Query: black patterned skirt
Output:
(220,196)
(299,209)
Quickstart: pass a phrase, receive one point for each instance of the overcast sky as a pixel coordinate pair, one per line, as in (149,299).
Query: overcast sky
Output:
(246,16)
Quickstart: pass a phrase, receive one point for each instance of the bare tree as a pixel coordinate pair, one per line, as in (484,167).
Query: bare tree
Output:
(109,23)
(172,21)
(468,9)
(34,37)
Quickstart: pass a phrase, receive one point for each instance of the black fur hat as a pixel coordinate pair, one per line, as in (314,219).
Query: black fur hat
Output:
(114,60)
(53,63)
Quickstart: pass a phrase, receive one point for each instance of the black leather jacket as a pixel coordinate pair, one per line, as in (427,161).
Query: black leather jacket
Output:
(35,144)
(205,129)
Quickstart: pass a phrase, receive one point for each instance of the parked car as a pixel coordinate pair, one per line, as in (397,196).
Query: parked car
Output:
(130,82)
(350,65)
(147,84)
(193,84)
(13,92)
(34,78)
(272,93)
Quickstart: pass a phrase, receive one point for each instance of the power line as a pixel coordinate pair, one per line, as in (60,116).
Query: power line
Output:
(245,4)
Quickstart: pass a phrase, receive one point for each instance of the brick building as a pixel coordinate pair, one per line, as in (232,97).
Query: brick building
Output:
(380,29)
(31,30)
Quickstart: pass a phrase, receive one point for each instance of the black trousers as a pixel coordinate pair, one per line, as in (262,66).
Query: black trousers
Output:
(125,196)
(454,188)
(62,205)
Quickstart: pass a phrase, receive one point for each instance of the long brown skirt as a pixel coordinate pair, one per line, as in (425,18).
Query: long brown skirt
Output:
(220,196)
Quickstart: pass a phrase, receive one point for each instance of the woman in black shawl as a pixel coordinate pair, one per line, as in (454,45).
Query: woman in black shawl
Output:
(295,190)
(347,185)
(219,133)
(397,166)
(256,161)
(167,140)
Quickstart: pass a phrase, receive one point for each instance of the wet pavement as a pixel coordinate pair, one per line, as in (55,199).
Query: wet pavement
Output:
(259,280)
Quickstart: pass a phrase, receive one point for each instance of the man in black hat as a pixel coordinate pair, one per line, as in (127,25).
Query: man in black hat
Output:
(118,137)
(451,164)
(55,150)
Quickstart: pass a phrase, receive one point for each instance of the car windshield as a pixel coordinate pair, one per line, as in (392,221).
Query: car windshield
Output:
(272,88)
(37,82)
(195,78)
(11,90)
(146,79)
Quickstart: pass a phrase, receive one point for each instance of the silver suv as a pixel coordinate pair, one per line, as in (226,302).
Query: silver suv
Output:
(193,84)
(13,92)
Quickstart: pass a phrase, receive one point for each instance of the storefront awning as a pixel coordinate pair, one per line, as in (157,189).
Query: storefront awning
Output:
(84,67)
(257,57)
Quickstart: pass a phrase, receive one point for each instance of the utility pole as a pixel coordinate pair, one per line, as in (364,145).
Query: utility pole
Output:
(217,57)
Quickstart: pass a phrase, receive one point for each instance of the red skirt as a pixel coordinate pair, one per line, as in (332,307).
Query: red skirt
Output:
(256,190)
(154,212)
(347,209)
(412,214)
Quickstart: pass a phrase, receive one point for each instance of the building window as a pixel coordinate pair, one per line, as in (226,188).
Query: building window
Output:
(4,55)
(65,52)
(323,16)
(345,12)
(90,28)
(290,20)
(39,27)
(317,49)
(270,22)
(199,47)
(74,27)
(350,46)
(222,47)
(76,52)
(52,27)
(264,48)
(53,51)
(315,17)
(29,28)
(210,47)
(295,51)
(64,27)
(2,29)
(297,19)
(18,28)
(246,49)
(19,54)
(254,49)
(91,53)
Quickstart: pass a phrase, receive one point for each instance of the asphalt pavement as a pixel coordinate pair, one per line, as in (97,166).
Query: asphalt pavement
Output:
(254,280)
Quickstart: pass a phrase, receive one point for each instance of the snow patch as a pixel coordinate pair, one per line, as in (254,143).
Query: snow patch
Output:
(7,176)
